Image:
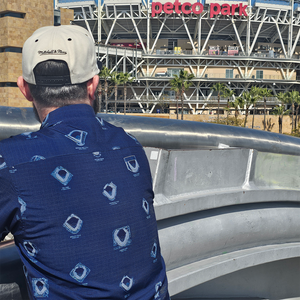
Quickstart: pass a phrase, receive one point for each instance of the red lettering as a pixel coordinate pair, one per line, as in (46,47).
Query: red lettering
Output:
(225,10)
(195,11)
(154,10)
(184,5)
(233,7)
(214,12)
(197,8)
(176,4)
(168,8)
(243,10)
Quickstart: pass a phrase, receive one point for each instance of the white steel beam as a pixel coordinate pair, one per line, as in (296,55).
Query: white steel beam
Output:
(296,41)
(290,37)
(237,35)
(87,23)
(111,29)
(258,31)
(199,33)
(280,37)
(137,32)
(209,34)
(158,34)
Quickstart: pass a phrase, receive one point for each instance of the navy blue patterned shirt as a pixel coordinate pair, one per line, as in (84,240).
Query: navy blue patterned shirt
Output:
(77,195)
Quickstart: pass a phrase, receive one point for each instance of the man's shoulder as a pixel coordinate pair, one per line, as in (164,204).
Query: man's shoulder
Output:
(117,135)
(14,148)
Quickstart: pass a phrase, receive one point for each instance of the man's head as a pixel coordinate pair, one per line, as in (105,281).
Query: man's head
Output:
(59,67)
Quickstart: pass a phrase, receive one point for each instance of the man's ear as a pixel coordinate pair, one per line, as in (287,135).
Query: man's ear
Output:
(92,86)
(24,88)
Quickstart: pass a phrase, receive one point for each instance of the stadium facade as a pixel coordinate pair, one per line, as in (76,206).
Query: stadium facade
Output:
(239,43)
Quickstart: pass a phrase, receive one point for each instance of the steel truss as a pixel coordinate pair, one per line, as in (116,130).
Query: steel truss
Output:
(132,21)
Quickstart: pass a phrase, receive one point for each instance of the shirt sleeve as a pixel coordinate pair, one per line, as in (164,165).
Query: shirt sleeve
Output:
(9,206)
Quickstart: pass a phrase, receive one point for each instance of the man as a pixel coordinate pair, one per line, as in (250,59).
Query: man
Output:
(77,194)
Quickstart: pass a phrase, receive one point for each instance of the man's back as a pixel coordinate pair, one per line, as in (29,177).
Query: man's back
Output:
(81,203)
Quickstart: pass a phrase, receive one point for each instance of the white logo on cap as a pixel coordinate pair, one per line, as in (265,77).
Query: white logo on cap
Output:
(52,52)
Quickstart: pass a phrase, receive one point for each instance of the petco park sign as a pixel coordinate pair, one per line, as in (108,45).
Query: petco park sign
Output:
(197,8)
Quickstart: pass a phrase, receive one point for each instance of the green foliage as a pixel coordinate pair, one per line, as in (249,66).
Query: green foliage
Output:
(180,83)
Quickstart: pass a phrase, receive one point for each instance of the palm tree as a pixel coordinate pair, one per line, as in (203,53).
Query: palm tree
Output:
(185,77)
(235,104)
(264,92)
(293,97)
(105,75)
(280,111)
(297,101)
(116,79)
(283,98)
(255,93)
(220,89)
(245,101)
(176,86)
(228,93)
(125,78)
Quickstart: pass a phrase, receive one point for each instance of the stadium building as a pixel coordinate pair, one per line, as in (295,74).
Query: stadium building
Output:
(239,43)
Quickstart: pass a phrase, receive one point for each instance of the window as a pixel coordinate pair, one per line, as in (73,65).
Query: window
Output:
(12,14)
(56,17)
(172,71)
(259,74)
(11,49)
(172,43)
(229,73)
(8,84)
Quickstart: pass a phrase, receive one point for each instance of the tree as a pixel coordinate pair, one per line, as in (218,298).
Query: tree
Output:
(255,93)
(105,75)
(220,88)
(185,77)
(116,79)
(235,104)
(280,110)
(297,101)
(125,78)
(264,92)
(293,97)
(247,99)
(176,84)
(228,93)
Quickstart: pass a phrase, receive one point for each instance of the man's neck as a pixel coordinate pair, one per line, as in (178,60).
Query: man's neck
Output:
(44,111)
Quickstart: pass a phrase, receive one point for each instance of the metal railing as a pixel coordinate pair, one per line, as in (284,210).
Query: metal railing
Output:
(167,75)
(270,54)
(200,99)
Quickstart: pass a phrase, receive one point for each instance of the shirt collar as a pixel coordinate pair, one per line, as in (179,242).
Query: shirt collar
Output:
(68,113)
